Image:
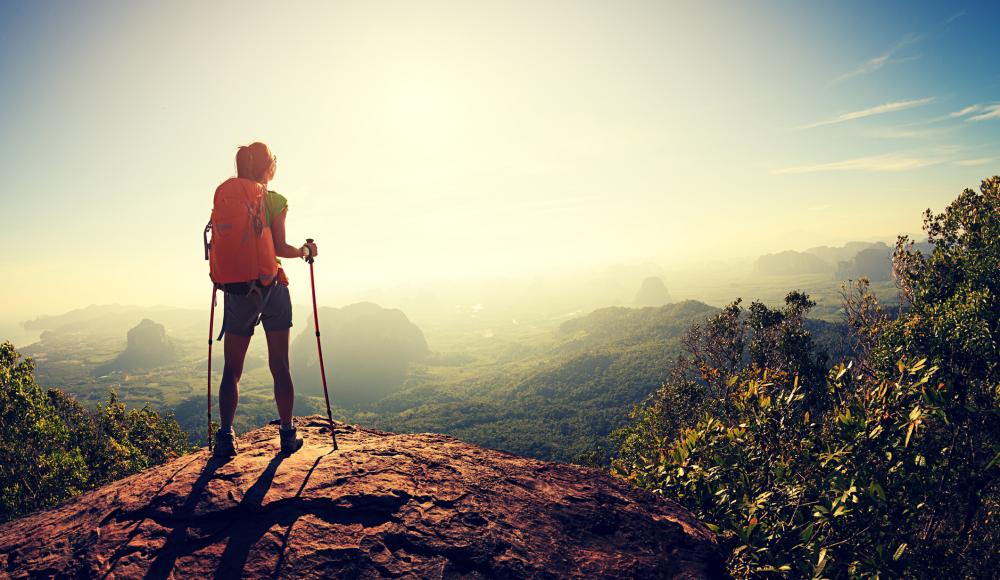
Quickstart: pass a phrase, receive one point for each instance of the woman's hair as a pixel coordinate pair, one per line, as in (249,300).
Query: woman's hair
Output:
(253,161)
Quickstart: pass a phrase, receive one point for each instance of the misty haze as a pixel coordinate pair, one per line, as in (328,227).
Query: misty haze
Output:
(653,289)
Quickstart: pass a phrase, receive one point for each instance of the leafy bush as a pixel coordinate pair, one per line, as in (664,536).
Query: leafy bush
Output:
(52,448)
(889,465)
(794,491)
(728,348)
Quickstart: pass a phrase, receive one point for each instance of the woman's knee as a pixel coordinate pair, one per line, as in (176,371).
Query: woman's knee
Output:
(231,374)
(279,366)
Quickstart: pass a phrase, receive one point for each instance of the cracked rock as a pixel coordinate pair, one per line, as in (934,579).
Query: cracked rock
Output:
(384,505)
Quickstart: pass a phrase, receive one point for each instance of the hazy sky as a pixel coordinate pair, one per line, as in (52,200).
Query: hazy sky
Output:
(420,141)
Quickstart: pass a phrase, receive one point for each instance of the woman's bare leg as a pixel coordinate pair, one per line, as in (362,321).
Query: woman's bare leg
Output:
(235,348)
(277,356)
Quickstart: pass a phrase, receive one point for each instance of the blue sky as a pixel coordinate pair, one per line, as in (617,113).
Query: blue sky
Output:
(427,141)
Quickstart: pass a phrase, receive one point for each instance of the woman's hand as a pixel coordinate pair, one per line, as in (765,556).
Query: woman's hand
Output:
(312,250)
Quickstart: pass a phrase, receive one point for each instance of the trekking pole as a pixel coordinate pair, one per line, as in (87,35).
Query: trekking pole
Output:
(211,323)
(319,347)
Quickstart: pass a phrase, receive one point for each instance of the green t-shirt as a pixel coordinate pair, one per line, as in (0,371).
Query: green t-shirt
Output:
(274,204)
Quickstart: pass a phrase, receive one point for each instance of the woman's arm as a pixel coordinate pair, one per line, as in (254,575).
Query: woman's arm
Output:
(281,248)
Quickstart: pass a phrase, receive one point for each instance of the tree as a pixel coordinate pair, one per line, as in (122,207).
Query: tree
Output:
(37,467)
(52,448)
(952,317)
(730,347)
(888,465)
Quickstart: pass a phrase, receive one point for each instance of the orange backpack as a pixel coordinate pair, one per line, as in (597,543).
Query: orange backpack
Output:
(241,249)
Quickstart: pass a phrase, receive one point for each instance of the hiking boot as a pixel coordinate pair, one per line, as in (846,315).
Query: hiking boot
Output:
(290,441)
(225,444)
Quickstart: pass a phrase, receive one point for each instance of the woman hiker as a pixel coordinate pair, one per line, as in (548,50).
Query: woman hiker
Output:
(243,205)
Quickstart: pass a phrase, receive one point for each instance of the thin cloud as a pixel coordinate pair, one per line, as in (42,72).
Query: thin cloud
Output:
(965,111)
(974,162)
(988,112)
(877,110)
(982,112)
(908,132)
(954,17)
(881,60)
(890,162)
(866,68)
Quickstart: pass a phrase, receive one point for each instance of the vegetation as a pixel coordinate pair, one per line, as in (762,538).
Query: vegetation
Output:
(558,399)
(888,465)
(53,448)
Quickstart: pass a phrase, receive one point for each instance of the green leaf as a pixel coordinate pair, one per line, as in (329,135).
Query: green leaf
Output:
(820,563)
(877,490)
(996,460)
(899,552)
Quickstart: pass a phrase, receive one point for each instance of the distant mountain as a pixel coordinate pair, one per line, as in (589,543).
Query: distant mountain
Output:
(835,254)
(791,262)
(78,316)
(116,319)
(851,260)
(653,292)
(148,347)
(367,350)
(874,263)
(631,326)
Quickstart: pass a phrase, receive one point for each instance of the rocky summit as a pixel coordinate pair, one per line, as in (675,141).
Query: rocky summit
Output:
(384,505)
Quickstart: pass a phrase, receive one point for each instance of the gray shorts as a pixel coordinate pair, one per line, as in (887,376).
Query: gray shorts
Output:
(239,311)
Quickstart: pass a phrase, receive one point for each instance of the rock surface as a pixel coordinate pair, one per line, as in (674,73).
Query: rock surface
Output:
(384,505)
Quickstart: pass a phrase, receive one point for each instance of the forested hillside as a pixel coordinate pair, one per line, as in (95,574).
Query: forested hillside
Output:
(556,401)
(887,465)
(53,448)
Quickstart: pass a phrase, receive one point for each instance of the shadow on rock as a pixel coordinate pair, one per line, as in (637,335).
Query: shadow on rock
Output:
(242,526)
(177,544)
(243,537)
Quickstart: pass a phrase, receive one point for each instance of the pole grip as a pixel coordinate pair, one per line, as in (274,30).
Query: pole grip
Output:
(310,258)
